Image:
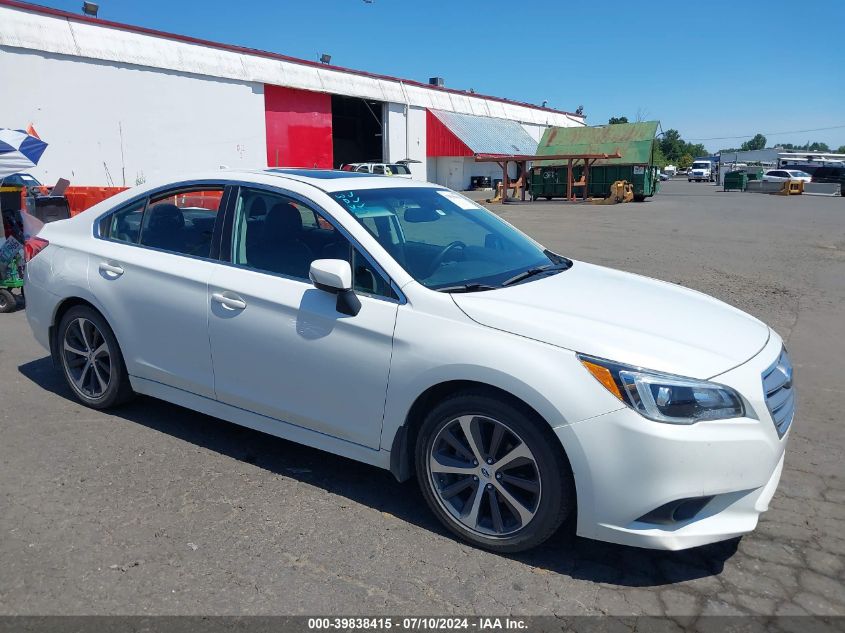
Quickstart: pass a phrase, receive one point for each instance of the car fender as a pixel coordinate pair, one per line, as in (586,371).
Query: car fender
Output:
(549,379)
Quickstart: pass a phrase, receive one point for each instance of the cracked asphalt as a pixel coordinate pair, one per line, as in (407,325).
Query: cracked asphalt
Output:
(153,509)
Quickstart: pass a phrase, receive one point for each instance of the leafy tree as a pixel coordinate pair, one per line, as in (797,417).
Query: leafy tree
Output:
(685,161)
(696,149)
(819,147)
(617,119)
(672,145)
(841,149)
(758,142)
(659,159)
(673,148)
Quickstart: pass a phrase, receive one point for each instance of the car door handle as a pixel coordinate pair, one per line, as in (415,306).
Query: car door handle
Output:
(111,269)
(233,303)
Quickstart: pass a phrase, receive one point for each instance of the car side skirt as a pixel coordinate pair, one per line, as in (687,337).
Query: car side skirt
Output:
(264,424)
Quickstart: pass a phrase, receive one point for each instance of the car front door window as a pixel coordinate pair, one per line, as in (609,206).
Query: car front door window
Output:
(289,236)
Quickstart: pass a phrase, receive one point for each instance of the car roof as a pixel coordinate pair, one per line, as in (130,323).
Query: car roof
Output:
(336,180)
(328,180)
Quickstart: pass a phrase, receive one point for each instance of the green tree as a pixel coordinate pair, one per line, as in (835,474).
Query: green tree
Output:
(685,161)
(841,149)
(672,145)
(659,159)
(617,119)
(819,147)
(696,149)
(758,142)
(815,146)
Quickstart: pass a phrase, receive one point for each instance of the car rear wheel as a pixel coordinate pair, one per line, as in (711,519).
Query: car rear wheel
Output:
(91,360)
(490,473)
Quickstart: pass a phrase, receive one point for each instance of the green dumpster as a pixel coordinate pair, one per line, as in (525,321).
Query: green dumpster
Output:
(634,142)
(754,173)
(550,182)
(736,180)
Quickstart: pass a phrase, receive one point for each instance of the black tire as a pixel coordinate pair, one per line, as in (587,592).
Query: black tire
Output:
(118,389)
(638,197)
(555,497)
(8,303)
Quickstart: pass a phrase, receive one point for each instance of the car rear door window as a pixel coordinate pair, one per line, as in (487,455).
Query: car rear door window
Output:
(182,221)
(124,225)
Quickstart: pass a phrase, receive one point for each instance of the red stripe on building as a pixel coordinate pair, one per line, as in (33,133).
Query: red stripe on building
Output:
(299,127)
(440,140)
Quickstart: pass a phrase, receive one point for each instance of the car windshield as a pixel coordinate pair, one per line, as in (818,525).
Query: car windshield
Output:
(701,165)
(446,241)
(799,174)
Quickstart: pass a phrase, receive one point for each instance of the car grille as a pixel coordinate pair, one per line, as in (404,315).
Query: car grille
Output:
(780,396)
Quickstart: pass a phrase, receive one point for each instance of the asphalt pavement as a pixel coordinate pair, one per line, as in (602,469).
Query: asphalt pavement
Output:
(154,509)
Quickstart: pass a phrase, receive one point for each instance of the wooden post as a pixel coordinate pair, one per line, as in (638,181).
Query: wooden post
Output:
(569,181)
(504,181)
(586,178)
(524,180)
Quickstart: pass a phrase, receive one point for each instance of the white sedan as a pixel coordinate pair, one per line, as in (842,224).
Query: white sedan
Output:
(782,175)
(402,325)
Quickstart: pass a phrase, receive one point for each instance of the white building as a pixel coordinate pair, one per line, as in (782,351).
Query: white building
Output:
(121,104)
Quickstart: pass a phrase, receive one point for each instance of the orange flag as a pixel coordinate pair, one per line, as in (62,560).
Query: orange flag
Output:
(30,129)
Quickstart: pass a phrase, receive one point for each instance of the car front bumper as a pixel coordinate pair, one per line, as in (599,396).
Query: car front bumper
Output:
(627,467)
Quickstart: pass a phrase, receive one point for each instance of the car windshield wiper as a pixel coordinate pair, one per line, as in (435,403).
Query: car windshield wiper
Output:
(532,272)
(466,288)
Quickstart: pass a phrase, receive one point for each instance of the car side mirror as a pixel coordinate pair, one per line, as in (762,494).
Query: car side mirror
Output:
(335,276)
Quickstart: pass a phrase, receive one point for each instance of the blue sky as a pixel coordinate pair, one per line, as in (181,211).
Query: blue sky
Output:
(709,69)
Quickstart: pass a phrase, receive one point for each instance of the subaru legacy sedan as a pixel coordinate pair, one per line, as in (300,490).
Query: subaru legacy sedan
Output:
(400,324)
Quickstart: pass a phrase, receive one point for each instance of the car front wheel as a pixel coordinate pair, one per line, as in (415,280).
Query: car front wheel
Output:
(91,360)
(491,474)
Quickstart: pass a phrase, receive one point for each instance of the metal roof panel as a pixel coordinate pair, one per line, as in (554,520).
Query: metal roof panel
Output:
(488,135)
(634,141)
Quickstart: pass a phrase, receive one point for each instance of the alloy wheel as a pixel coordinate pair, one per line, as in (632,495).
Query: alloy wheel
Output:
(484,475)
(87,358)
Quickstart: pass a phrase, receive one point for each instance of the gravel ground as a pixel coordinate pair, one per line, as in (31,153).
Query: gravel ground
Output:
(157,510)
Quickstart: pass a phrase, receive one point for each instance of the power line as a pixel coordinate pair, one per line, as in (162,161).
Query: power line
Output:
(725,138)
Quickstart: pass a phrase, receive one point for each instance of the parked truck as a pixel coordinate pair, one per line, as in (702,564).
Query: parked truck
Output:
(702,170)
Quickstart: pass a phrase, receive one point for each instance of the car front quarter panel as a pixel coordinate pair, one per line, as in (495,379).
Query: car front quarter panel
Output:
(431,349)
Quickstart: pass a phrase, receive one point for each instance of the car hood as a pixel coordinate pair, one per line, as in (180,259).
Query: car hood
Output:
(623,317)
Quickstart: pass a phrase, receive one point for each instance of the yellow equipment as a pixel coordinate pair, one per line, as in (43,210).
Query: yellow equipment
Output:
(620,191)
(515,186)
(792,188)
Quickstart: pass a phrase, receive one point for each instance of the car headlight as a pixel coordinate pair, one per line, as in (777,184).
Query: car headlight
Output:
(665,397)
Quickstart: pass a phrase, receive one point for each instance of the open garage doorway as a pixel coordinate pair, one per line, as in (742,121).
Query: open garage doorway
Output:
(357,130)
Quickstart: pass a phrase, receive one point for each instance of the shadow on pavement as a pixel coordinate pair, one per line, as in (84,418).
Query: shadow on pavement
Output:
(564,553)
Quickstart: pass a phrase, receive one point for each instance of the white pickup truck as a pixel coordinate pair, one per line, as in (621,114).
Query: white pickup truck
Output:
(701,170)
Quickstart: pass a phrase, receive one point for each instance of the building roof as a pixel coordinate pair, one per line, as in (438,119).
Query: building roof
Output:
(634,141)
(35,27)
(486,135)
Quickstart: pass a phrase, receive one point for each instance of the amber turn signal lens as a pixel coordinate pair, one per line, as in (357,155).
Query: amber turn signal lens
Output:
(602,374)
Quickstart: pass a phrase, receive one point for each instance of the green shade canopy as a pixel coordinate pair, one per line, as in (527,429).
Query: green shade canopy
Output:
(635,141)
